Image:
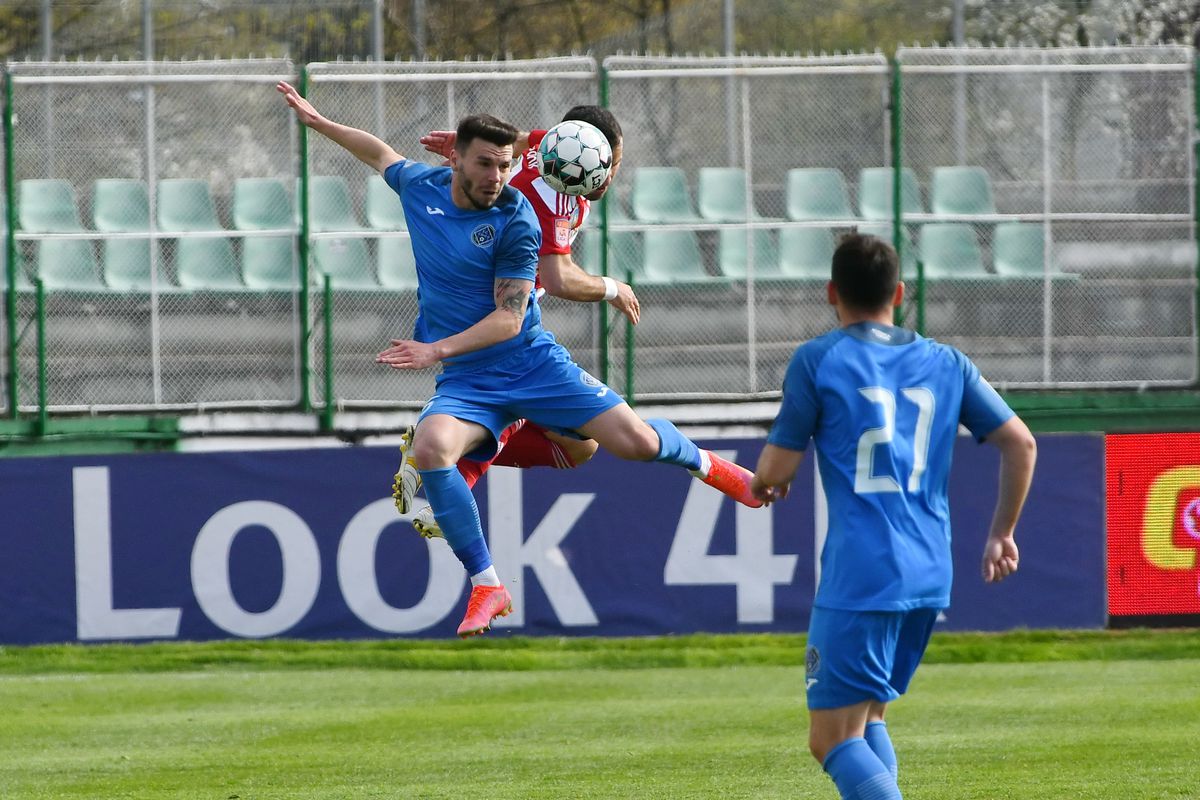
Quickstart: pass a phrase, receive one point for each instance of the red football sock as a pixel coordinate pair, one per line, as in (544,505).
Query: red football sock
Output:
(473,470)
(529,447)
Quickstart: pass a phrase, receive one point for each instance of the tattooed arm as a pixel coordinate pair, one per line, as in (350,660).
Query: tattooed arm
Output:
(512,298)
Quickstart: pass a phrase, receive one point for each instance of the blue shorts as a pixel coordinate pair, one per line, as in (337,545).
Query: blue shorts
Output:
(854,656)
(540,383)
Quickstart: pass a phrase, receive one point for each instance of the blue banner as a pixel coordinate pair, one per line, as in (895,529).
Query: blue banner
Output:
(306,543)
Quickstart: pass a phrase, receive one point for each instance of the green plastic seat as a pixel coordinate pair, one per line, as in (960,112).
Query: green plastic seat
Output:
(329,207)
(268,262)
(672,257)
(47,206)
(806,253)
(120,205)
(722,195)
(397,264)
(68,265)
(1018,250)
(961,190)
(951,250)
(733,256)
(660,194)
(22,280)
(384,211)
(875,192)
(345,261)
(206,263)
(186,204)
(817,193)
(261,204)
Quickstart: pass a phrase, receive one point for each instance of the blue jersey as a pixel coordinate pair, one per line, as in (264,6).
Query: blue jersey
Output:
(882,406)
(460,253)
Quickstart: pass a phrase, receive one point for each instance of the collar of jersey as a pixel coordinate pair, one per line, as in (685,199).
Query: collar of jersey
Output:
(870,332)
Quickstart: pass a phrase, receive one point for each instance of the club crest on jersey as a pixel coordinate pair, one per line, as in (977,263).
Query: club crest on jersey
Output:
(812,662)
(562,231)
(483,235)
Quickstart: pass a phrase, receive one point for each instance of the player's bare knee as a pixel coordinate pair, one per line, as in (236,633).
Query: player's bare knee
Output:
(429,453)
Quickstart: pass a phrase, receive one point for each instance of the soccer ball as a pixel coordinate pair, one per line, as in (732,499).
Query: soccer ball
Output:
(574,157)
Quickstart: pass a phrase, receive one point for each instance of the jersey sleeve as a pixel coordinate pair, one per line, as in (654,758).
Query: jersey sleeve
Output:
(400,174)
(800,410)
(983,409)
(517,250)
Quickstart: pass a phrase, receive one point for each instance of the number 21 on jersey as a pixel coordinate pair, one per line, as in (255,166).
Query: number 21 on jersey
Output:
(883,436)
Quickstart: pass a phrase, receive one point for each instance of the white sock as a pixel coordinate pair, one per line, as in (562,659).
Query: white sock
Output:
(486,578)
(705,465)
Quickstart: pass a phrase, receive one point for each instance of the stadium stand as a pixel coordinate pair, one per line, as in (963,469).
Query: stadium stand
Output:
(815,193)
(722,195)
(384,211)
(950,250)
(120,205)
(672,257)
(733,258)
(268,262)
(49,206)
(875,193)
(959,191)
(345,260)
(185,205)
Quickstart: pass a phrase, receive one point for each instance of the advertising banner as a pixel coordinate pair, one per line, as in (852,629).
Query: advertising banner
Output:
(1153,494)
(307,544)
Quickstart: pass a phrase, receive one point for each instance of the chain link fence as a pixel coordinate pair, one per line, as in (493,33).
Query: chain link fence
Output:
(1046,219)
(362,241)
(1052,196)
(731,194)
(127,180)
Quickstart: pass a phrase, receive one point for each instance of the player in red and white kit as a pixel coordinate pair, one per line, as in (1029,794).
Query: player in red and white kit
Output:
(525,444)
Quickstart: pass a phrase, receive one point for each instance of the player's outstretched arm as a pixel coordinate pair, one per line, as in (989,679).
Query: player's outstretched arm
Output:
(441,143)
(773,475)
(512,299)
(1018,453)
(563,278)
(367,148)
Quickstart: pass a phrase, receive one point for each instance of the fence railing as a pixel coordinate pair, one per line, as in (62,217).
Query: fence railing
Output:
(183,228)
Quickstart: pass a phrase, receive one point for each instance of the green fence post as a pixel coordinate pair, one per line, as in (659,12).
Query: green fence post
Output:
(327,316)
(603,354)
(1196,198)
(897,194)
(302,249)
(42,414)
(10,246)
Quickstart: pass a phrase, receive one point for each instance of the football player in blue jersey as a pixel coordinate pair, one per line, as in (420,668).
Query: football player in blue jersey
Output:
(882,406)
(475,241)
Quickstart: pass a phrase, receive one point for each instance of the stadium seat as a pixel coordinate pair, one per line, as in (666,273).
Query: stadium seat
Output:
(951,250)
(384,211)
(722,195)
(206,263)
(329,207)
(875,193)
(47,206)
(961,190)
(185,204)
(1019,250)
(672,257)
(68,265)
(345,261)
(397,265)
(660,194)
(806,252)
(268,262)
(817,194)
(732,255)
(120,205)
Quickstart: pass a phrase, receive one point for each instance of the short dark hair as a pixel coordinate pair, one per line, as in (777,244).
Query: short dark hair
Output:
(486,127)
(866,271)
(602,118)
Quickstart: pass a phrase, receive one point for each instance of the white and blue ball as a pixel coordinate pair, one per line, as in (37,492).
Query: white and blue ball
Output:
(574,157)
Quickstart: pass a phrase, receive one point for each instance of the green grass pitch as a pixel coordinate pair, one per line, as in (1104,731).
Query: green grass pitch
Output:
(1022,716)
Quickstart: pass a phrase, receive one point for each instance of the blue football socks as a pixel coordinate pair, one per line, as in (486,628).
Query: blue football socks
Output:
(458,516)
(881,744)
(858,772)
(673,446)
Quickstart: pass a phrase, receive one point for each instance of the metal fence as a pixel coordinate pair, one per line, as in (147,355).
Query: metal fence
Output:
(1046,219)
(1052,207)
